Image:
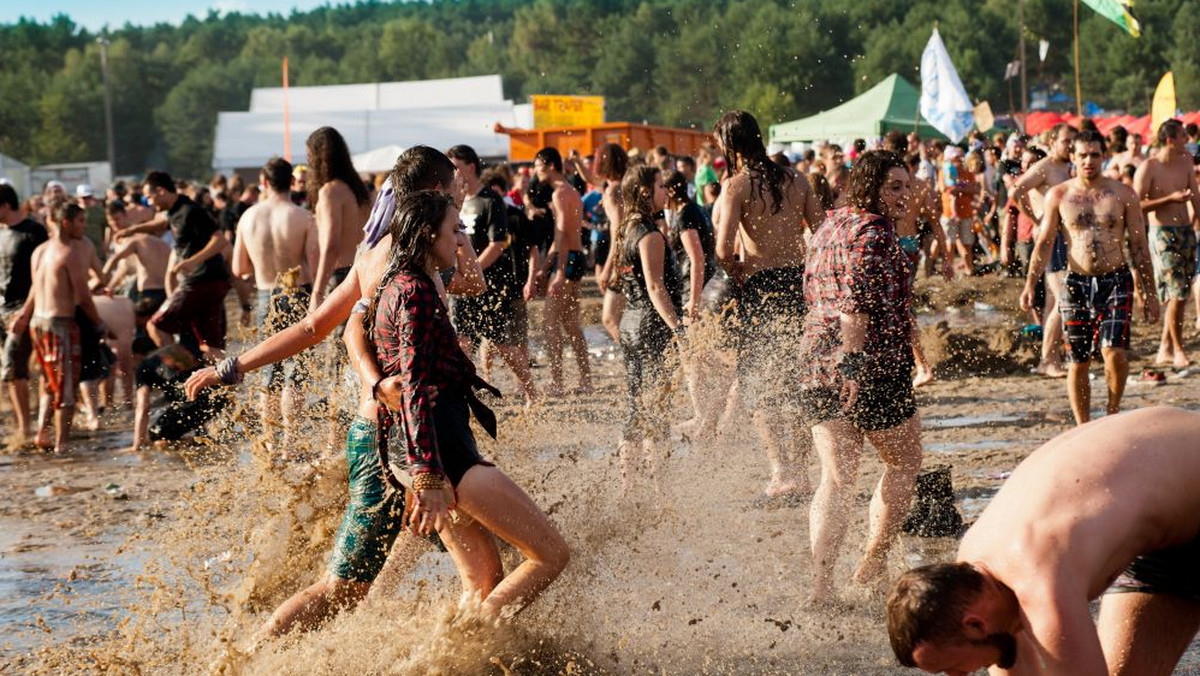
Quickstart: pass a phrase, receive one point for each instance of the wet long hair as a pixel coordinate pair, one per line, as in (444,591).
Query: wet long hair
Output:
(742,140)
(414,228)
(610,161)
(637,197)
(328,160)
(677,185)
(867,178)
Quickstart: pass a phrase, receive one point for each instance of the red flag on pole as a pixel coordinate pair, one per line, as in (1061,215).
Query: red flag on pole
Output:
(287,132)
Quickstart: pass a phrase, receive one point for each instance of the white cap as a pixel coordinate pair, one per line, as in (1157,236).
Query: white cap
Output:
(84,190)
(56,184)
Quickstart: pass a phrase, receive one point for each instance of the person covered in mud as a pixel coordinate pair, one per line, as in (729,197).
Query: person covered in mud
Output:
(652,320)
(856,356)
(1166,185)
(466,499)
(766,207)
(373,517)
(1109,508)
(1028,195)
(1095,215)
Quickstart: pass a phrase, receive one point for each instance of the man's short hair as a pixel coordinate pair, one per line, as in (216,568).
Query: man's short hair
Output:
(160,179)
(8,195)
(1092,136)
(114,207)
(928,604)
(1168,129)
(466,155)
(896,142)
(62,211)
(1059,129)
(278,173)
(687,160)
(495,179)
(1191,129)
(551,157)
(422,168)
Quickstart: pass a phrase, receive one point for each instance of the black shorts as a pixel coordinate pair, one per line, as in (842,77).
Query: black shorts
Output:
(1174,571)
(148,301)
(1096,313)
(770,321)
(196,312)
(498,315)
(882,403)
(576,266)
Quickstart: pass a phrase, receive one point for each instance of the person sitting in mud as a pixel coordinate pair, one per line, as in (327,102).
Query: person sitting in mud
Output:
(1109,506)
(166,369)
(857,359)
(766,207)
(1095,214)
(464,498)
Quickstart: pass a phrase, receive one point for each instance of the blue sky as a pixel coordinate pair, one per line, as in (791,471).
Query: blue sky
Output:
(94,14)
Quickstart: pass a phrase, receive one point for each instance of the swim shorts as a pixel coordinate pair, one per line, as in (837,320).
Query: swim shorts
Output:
(576,266)
(276,310)
(56,341)
(959,230)
(1174,571)
(375,514)
(1096,312)
(1174,255)
(882,403)
(17,348)
(770,320)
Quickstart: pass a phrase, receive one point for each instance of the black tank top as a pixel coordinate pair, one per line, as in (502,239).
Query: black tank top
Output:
(634,277)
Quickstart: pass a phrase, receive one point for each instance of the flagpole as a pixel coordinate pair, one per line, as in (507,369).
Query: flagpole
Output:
(1021,59)
(1078,85)
(287,131)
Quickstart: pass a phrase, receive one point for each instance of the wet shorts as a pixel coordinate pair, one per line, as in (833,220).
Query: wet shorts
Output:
(374,515)
(1096,313)
(17,348)
(770,320)
(959,230)
(1174,571)
(56,341)
(576,266)
(882,403)
(196,312)
(1173,249)
(277,309)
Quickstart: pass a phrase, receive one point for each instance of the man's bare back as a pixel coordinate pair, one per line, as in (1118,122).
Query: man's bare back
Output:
(1078,509)
(150,253)
(339,223)
(769,239)
(275,236)
(1093,223)
(568,217)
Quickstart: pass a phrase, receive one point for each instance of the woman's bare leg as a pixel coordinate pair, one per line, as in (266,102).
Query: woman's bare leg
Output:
(900,449)
(839,445)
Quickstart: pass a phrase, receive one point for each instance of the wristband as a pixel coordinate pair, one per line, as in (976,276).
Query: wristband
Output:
(227,371)
(852,365)
(428,482)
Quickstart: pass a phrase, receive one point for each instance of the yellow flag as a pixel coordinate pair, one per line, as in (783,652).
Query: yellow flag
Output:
(1163,107)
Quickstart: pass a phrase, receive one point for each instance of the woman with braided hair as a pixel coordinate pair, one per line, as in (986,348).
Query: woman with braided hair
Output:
(458,494)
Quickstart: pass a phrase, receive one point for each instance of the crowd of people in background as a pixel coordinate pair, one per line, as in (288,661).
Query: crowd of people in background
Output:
(779,286)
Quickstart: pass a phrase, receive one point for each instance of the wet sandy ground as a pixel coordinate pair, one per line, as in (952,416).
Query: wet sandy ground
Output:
(707,578)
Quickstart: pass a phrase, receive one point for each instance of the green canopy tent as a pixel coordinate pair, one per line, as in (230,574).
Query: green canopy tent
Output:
(891,104)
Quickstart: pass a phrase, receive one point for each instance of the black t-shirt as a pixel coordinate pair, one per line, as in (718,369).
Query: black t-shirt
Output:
(17,243)
(227,220)
(192,228)
(541,229)
(486,218)
(636,294)
(520,243)
(692,217)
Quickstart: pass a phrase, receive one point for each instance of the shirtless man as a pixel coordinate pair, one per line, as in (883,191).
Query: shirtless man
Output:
(924,208)
(1028,195)
(59,286)
(276,244)
(1095,215)
(566,266)
(1166,185)
(1126,150)
(766,208)
(149,254)
(341,202)
(1109,506)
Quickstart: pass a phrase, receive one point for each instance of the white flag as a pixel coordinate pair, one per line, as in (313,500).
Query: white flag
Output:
(944,102)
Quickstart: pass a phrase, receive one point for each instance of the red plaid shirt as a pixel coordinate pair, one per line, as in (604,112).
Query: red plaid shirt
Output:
(414,340)
(856,266)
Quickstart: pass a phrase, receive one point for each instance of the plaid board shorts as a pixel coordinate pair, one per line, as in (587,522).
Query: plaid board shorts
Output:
(1096,313)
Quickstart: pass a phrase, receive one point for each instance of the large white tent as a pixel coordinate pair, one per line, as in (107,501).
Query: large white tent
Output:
(16,173)
(438,113)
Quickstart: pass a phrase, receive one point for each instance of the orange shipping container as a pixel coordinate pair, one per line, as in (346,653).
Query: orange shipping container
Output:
(523,144)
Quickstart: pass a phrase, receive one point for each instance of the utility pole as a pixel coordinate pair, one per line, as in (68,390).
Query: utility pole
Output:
(1021,57)
(108,117)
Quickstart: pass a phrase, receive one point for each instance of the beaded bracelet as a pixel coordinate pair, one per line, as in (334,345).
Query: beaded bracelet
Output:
(428,482)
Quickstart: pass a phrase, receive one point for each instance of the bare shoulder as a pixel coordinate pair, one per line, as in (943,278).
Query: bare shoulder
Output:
(1059,191)
(335,190)
(737,185)
(1122,191)
(565,193)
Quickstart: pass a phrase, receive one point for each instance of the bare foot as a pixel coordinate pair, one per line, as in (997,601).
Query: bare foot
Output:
(778,487)
(924,376)
(1180,361)
(1052,371)
(870,570)
(1163,358)
(43,440)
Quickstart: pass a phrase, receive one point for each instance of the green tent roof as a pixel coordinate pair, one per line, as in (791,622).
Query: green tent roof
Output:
(891,104)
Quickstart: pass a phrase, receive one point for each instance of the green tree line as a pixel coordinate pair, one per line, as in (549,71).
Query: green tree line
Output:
(672,62)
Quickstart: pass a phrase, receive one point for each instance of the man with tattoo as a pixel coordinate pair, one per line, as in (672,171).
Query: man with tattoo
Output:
(1165,184)
(1095,214)
(1028,195)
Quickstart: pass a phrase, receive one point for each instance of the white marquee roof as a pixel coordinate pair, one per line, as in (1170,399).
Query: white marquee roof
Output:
(444,93)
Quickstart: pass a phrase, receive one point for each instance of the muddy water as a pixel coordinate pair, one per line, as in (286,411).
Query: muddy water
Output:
(705,578)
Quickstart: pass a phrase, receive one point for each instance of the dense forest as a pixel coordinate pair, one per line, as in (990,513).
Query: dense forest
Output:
(675,62)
